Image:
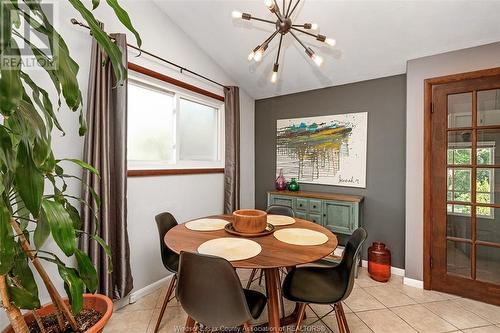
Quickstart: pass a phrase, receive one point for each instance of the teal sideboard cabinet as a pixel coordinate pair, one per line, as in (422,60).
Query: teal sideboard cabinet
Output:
(340,213)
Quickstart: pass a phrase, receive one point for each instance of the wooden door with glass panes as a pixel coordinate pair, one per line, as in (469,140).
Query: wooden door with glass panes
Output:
(465,188)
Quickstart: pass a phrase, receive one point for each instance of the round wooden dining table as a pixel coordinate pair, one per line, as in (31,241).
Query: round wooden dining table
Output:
(274,255)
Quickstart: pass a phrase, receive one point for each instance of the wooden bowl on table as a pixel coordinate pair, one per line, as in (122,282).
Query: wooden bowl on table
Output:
(249,221)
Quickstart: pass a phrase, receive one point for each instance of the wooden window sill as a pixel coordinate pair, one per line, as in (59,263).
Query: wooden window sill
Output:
(172,172)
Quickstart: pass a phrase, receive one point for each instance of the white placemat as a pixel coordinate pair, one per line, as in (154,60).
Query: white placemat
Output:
(230,248)
(206,224)
(279,220)
(300,236)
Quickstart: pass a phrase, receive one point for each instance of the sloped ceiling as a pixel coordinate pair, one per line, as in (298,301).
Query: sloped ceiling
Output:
(374,38)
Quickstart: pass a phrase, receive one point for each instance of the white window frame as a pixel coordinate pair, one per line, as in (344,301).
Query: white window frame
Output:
(178,94)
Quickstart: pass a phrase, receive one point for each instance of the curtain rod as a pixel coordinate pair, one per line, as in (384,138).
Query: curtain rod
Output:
(182,69)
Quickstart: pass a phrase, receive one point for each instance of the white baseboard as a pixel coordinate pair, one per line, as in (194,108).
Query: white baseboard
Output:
(394,270)
(138,294)
(413,283)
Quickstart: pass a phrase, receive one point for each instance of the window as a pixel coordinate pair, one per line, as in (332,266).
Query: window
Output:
(460,179)
(169,128)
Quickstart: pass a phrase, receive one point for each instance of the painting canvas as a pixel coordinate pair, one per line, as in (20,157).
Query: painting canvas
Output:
(327,150)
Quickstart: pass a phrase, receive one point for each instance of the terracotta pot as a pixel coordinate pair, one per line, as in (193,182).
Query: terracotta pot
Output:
(97,302)
(379,262)
(249,221)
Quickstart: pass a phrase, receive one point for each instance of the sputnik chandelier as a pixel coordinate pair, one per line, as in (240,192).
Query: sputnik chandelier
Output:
(284,25)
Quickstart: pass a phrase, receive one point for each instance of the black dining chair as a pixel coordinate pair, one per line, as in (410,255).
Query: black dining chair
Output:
(271,210)
(165,222)
(211,294)
(325,285)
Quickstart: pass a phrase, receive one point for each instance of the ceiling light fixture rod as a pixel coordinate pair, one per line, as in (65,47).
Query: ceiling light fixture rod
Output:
(262,20)
(288,9)
(298,40)
(279,50)
(305,32)
(293,9)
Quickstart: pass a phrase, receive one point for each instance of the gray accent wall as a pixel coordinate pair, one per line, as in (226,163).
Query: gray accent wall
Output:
(385,101)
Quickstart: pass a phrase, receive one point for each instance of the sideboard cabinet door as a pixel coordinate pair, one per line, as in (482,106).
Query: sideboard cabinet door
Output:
(339,217)
(282,200)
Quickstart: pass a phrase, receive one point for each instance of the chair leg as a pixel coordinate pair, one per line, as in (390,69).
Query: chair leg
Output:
(190,326)
(246,328)
(170,290)
(344,320)
(341,319)
(260,277)
(300,316)
(251,278)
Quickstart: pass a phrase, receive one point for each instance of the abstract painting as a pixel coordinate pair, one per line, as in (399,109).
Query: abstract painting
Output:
(327,150)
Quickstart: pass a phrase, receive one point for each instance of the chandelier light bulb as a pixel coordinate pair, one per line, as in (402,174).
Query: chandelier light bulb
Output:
(274,77)
(237,14)
(270,4)
(251,55)
(330,41)
(258,55)
(318,60)
(314,26)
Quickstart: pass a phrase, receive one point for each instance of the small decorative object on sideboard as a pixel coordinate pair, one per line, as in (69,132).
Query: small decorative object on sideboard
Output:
(280,183)
(379,262)
(293,185)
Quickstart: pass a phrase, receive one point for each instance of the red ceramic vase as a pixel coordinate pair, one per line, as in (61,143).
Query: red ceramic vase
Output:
(379,262)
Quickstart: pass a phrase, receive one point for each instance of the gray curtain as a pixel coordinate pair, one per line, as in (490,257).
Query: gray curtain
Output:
(232,157)
(105,149)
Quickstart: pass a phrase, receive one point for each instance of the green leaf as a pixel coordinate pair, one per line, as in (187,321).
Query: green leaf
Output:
(87,270)
(95,4)
(7,243)
(29,180)
(6,151)
(65,68)
(41,151)
(11,90)
(106,249)
(44,102)
(61,226)
(83,124)
(124,19)
(20,296)
(110,48)
(73,286)
(74,214)
(22,287)
(23,213)
(6,27)
(42,231)
(82,164)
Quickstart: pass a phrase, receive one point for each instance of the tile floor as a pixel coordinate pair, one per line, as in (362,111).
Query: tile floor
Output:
(372,307)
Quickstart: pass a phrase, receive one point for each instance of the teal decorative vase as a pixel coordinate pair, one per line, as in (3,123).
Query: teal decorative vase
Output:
(293,185)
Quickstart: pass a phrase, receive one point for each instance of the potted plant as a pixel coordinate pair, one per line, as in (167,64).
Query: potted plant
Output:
(34,202)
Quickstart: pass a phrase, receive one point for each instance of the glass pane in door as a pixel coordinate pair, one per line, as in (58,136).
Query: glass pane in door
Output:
(458,256)
(488,224)
(460,110)
(488,107)
(488,264)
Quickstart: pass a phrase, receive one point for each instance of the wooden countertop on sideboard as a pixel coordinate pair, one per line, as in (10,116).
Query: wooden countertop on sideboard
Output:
(320,195)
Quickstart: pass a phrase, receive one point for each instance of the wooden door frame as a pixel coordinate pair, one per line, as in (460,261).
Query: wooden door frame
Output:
(428,85)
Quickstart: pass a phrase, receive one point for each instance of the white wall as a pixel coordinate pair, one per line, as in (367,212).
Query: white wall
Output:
(186,197)
(476,58)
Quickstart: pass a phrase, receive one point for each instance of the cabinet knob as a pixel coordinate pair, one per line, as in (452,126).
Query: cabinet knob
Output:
(300,205)
(324,215)
(314,206)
